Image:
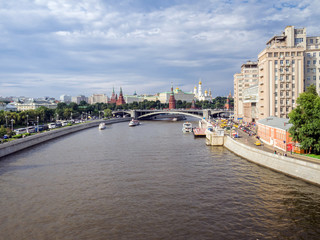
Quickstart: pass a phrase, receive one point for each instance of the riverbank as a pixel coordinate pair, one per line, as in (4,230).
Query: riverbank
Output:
(22,143)
(304,169)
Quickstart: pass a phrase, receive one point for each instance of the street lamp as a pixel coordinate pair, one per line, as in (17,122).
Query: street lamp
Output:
(37,123)
(71,116)
(27,120)
(12,124)
(6,121)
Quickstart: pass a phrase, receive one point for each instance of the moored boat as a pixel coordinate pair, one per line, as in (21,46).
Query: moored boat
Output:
(187,127)
(133,123)
(102,126)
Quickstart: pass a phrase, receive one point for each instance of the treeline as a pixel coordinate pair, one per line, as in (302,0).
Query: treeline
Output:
(76,111)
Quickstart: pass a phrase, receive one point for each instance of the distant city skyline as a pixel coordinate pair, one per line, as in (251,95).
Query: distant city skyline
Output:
(50,48)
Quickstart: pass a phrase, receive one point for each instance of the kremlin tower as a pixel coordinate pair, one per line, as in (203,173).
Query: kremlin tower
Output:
(172,100)
(114,97)
(120,100)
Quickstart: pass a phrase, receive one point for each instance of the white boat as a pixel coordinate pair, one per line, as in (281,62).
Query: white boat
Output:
(133,123)
(102,126)
(187,127)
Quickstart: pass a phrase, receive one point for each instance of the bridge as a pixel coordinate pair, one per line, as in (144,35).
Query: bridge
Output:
(151,114)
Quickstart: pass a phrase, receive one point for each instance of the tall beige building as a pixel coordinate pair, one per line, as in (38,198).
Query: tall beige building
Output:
(243,80)
(98,98)
(281,73)
(312,62)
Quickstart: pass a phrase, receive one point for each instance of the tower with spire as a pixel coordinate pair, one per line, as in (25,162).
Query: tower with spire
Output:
(172,100)
(113,98)
(120,100)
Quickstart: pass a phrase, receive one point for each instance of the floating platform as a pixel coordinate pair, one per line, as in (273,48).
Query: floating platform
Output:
(199,132)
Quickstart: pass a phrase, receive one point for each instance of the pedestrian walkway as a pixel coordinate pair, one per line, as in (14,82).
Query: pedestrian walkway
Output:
(250,140)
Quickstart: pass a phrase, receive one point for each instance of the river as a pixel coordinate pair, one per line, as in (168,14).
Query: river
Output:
(148,182)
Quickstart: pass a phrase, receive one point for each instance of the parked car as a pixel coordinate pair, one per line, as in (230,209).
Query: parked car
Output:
(51,125)
(20,130)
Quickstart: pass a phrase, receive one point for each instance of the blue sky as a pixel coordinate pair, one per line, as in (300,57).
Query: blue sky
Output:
(54,47)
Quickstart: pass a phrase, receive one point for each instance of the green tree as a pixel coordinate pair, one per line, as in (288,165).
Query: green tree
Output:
(306,121)
(3,131)
(107,112)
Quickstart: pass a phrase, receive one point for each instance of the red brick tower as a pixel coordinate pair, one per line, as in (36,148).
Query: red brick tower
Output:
(113,98)
(172,100)
(120,100)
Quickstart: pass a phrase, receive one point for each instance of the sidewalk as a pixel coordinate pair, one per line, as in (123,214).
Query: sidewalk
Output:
(250,140)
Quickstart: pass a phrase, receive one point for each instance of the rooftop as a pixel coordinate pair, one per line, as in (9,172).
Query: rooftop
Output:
(281,123)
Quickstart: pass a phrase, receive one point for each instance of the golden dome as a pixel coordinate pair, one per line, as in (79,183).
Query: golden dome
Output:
(200,82)
(206,91)
(195,87)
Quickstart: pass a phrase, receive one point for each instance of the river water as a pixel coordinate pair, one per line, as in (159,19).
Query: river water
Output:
(148,182)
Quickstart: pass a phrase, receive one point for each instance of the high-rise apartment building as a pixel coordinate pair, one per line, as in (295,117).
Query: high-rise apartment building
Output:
(247,78)
(281,73)
(312,62)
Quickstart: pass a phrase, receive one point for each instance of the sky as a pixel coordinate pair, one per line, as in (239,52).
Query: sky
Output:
(73,47)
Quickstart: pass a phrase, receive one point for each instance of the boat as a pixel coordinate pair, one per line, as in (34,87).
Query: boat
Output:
(187,127)
(102,126)
(133,123)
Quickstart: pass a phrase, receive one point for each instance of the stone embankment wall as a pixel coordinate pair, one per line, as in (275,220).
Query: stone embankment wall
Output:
(305,170)
(22,143)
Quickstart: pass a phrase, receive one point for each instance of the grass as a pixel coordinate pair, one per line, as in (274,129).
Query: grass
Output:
(313,156)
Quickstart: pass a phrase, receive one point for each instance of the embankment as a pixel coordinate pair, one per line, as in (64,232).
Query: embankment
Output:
(305,170)
(22,143)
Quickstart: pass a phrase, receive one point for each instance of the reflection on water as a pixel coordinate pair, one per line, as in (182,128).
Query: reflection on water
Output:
(149,182)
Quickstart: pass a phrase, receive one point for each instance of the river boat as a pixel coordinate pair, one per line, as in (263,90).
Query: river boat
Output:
(187,127)
(133,123)
(102,126)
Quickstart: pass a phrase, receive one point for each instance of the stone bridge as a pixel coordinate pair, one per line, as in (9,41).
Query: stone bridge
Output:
(197,113)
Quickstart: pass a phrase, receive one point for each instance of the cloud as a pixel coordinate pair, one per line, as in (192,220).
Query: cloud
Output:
(82,46)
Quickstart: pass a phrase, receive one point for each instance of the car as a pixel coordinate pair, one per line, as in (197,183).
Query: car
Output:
(257,143)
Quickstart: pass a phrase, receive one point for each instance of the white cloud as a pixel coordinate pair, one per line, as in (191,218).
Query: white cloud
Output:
(131,43)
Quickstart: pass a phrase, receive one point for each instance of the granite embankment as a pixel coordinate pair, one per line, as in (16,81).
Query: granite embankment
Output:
(303,169)
(22,143)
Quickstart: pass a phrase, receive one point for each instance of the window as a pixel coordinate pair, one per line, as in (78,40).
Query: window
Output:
(287,77)
(293,62)
(314,78)
(314,70)
(269,54)
(298,53)
(311,41)
(293,69)
(293,96)
(281,78)
(314,54)
(275,62)
(292,55)
(281,54)
(287,54)
(298,40)
(314,61)
(287,93)
(293,78)
(308,62)
(276,86)
(276,78)
(287,62)
(308,69)
(281,62)
(308,78)
(293,85)
(275,54)
(308,55)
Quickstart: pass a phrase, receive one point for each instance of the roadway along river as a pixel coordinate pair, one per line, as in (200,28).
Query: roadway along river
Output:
(148,182)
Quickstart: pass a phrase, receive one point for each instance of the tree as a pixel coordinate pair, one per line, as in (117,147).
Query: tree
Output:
(306,121)
(107,112)
(3,131)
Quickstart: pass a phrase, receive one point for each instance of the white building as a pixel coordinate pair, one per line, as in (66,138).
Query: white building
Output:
(178,95)
(33,104)
(65,98)
(98,98)
(202,96)
(79,98)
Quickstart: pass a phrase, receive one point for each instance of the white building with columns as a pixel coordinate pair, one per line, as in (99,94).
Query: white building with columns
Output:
(202,96)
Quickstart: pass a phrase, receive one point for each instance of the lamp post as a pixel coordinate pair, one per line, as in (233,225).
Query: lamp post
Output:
(12,124)
(37,123)
(6,121)
(71,116)
(27,120)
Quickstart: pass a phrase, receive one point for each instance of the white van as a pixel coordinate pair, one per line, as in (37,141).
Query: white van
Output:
(20,130)
(51,125)
(31,129)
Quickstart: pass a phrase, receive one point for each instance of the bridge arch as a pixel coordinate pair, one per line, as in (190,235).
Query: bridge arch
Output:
(171,112)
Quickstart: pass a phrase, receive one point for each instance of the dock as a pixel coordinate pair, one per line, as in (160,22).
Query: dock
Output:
(199,132)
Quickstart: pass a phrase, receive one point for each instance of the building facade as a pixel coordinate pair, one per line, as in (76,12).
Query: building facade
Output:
(250,103)
(199,95)
(312,62)
(178,95)
(281,73)
(243,80)
(79,98)
(33,104)
(65,98)
(98,98)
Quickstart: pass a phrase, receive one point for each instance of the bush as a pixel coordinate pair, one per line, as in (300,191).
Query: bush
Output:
(17,136)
